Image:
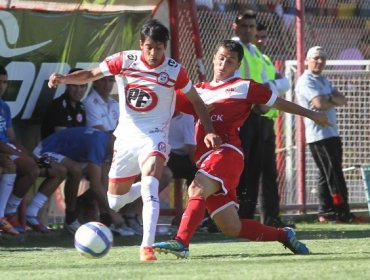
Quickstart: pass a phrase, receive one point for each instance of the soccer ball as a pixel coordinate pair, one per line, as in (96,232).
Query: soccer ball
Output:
(93,240)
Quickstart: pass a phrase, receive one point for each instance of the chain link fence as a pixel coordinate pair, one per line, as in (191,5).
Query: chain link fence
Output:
(342,28)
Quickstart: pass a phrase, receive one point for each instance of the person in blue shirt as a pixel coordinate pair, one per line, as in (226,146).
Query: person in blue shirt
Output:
(82,151)
(13,186)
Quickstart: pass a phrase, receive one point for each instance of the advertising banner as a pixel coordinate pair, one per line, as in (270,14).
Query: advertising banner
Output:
(34,44)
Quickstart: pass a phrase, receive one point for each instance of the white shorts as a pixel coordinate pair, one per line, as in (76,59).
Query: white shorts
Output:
(48,156)
(130,155)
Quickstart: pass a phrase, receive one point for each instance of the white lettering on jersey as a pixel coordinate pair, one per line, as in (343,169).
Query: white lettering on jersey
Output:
(217,118)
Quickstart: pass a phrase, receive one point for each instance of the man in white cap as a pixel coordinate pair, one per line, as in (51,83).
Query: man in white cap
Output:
(316,92)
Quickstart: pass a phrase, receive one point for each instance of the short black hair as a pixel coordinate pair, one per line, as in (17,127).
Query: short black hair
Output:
(155,30)
(261,26)
(3,71)
(232,46)
(247,14)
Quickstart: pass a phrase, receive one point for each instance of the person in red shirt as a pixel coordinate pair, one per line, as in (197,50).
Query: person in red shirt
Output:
(230,100)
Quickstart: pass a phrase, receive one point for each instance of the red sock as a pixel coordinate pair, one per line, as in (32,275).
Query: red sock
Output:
(193,215)
(255,231)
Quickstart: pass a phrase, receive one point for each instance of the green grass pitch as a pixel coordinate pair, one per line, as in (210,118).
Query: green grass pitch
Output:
(338,252)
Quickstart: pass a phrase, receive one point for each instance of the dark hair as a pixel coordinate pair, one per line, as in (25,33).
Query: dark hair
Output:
(232,46)
(247,14)
(155,30)
(261,27)
(3,71)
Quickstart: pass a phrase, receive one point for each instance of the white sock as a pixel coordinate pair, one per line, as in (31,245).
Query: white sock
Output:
(35,205)
(149,193)
(12,205)
(6,187)
(116,202)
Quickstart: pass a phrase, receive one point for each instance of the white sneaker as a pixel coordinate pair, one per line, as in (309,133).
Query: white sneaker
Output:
(72,227)
(134,224)
(122,231)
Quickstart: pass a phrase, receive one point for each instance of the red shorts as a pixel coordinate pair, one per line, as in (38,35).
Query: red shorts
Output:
(224,165)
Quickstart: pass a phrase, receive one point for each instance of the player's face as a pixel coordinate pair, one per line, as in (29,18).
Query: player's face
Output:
(225,63)
(3,84)
(316,64)
(153,51)
(246,30)
(261,38)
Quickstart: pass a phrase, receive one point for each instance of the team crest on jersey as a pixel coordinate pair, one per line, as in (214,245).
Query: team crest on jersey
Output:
(163,78)
(140,98)
(162,147)
(79,117)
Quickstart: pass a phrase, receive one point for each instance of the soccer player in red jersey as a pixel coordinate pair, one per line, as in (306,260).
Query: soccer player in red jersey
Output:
(146,81)
(214,187)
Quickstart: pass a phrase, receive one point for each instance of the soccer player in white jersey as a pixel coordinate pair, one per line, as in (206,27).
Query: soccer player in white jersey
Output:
(214,187)
(146,81)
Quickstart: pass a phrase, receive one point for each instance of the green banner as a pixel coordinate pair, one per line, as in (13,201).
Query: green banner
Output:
(34,44)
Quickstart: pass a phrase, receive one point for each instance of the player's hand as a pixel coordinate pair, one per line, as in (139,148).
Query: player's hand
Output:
(54,80)
(210,107)
(321,119)
(212,140)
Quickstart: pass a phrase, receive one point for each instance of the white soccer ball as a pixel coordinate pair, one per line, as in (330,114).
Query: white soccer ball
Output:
(93,240)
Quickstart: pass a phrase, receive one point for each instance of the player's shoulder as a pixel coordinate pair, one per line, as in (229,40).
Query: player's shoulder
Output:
(171,62)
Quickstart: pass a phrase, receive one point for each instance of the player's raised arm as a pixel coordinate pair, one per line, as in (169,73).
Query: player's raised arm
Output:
(211,139)
(76,78)
(290,107)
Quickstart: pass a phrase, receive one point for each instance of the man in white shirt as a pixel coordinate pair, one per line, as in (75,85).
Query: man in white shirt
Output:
(102,110)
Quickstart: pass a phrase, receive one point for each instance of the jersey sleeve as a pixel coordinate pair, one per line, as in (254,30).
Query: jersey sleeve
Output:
(183,81)
(183,104)
(112,65)
(260,94)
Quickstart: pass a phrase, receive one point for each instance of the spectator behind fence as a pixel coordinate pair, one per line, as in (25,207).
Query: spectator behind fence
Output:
(214,186)
(265,172)
(82,151)
(252,67)
(146,83)
(359,52)
(314,91)
(26,167)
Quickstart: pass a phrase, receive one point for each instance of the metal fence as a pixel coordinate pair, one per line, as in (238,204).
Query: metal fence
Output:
(342,27)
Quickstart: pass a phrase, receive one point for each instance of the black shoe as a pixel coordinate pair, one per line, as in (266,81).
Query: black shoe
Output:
(278,223)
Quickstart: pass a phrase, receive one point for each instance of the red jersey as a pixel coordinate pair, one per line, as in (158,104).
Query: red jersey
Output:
(232,101)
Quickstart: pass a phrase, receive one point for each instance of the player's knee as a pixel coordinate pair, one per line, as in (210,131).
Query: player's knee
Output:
(229,229)
(116,202)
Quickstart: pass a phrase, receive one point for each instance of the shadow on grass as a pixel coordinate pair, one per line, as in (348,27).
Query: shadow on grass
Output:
(60,238)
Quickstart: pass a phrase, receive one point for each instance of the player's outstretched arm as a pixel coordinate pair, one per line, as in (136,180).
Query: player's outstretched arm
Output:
(290,107)
(76,78)
(212,140)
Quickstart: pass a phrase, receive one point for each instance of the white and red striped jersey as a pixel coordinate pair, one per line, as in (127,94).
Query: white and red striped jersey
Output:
(146,94)
(232,101)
